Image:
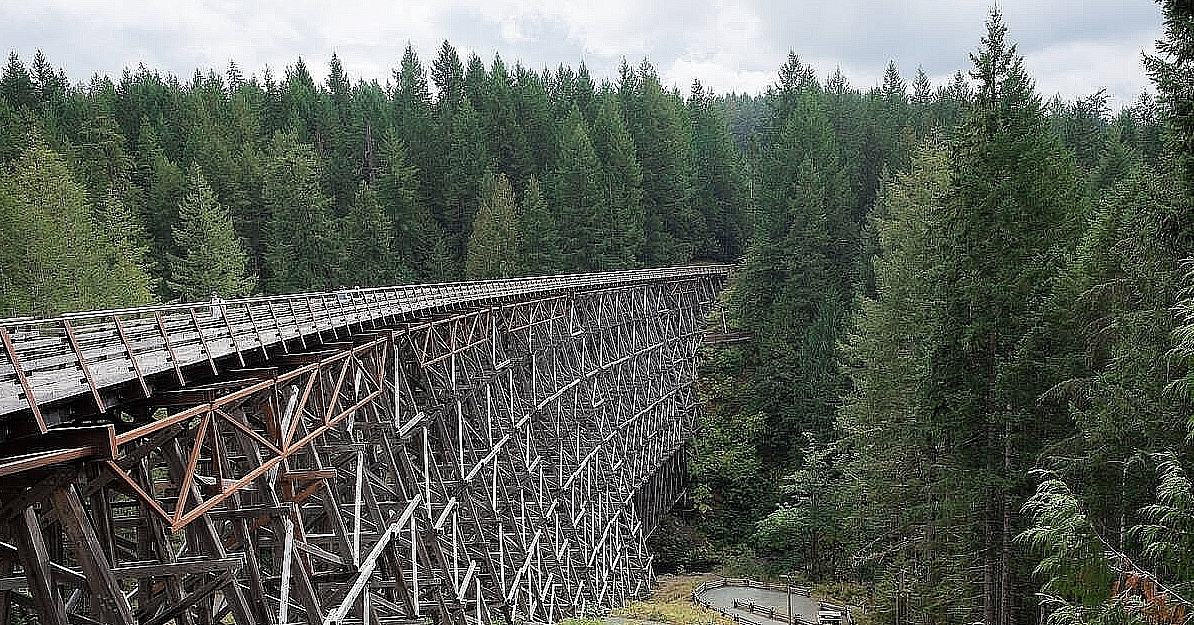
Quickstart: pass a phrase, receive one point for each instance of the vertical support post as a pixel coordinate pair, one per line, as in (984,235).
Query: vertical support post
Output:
(36,560)
(287,557)
(114,607)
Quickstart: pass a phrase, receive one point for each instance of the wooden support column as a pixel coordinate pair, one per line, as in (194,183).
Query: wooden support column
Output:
(86,547)
(6,566)
(204,530)
(32,548)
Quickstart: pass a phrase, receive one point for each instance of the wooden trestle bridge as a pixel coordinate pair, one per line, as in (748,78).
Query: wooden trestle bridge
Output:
(480,452)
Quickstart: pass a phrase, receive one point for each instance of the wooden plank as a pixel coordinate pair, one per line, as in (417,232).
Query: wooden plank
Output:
(100,439)
(124,339)
(27,462)
(232,336)
(170,348)
(261,343)
(365,571)
(211,361)
(16,365)
(200,594)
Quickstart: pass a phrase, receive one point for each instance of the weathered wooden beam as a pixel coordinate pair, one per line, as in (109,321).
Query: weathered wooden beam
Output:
(89,552)
(35,560)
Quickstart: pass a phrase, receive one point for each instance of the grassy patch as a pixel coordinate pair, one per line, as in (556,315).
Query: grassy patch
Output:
(671,603)
(841,592)
(580,621)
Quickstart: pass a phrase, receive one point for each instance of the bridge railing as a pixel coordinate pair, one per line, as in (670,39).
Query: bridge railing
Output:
(80,354)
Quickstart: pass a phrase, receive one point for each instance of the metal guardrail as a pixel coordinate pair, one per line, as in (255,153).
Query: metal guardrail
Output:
(81,354)
(697,598)
(769,612)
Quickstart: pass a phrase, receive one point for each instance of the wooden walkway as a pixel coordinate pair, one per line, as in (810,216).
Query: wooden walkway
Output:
(91,356)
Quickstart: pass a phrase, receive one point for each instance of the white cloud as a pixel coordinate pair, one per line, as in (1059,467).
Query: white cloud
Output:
(1080,68)
(1072,47)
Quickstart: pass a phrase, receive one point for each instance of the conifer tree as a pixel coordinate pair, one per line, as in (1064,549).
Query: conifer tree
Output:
(1171,70)
(465,162)
(798,281)
(368,242)
(1010,217)
(576,196)
(656,119)
(210,257)
(300,249)
(51,84)
(532,108)
(53,255)
(507,142)
(717,188)
(16,85)
(894,420)
(162,186)
(539,235)
(414,126)
(621,186)
(493,245)
(447,73)
(417,241)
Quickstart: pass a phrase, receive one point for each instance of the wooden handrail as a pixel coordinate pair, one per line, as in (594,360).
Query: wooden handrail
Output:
(45,362)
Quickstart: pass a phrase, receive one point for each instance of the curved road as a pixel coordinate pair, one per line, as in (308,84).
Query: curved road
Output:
(724,597)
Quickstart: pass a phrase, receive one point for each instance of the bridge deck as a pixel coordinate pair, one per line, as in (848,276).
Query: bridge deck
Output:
(467,454)
(82,355)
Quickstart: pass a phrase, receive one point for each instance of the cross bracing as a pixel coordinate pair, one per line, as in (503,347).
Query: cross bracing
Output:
(496,454)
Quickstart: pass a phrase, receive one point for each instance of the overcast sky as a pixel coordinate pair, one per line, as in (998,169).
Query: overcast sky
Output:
(1071,47)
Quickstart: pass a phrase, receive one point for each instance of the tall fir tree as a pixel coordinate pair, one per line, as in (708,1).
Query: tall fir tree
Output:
(54,257)
(539,234)
(621,186)
(368,256)
(211,260)
(493,244)
(1170,70)
(718,178)
(576,196)
(300,246)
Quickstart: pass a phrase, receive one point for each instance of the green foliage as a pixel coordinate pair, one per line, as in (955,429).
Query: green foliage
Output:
(212,261)
(805,531)
(990,334)
(621,187)
(657,121)
(418,249)
(54,256)
(950,353)
(539,234)
(576,196)
(731,491)
(300,246)
(1170,70)
(718,178)
(368,249)
(910,502)
(796,282)
(493,244)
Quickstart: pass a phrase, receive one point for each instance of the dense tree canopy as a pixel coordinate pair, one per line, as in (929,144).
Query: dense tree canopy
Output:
(965,315)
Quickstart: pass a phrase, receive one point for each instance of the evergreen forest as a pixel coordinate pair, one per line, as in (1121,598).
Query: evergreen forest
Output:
(966,393)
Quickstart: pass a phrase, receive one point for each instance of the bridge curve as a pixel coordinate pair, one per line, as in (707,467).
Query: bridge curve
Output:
(462,453)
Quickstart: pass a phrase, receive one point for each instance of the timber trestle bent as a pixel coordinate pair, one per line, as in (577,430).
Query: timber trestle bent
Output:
(484,452)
